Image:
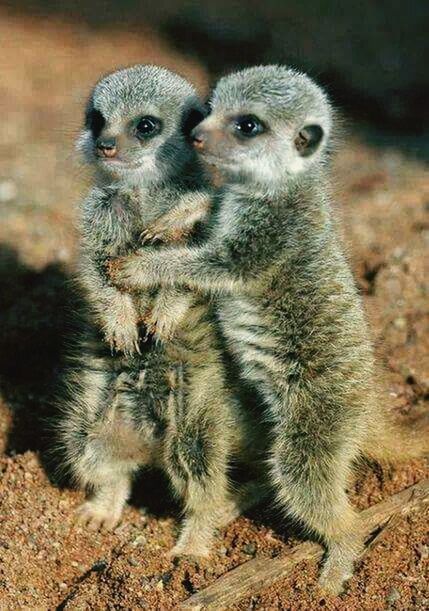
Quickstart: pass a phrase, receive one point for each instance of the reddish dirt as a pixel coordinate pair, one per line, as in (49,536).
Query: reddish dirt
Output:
(47,69)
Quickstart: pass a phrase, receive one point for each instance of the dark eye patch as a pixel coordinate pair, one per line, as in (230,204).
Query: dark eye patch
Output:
(308,140)
(94,121)
(191,118)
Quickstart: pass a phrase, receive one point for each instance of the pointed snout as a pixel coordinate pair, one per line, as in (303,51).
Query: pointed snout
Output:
(106,147)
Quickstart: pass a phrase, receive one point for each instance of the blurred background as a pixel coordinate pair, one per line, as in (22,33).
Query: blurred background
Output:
(371,56)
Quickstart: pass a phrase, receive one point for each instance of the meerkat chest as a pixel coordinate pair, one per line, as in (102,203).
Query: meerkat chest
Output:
(250,337)
(115,224)
(228,216)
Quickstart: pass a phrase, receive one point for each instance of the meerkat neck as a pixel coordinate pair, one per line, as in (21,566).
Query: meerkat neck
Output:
(313,184)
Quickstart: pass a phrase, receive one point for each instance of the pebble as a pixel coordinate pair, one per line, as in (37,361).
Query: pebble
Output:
(400,323)
(99,566)
(167,577)
(250,549)
(8,191)
(393,596)
(140,540)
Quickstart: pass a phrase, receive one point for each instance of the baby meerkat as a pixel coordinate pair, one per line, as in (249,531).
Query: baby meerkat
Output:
(135,140)
(286,299)
(168,403)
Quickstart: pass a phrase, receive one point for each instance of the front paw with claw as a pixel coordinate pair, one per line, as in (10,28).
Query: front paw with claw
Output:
(123,338)
(160,326)
(161,232)
(120,329)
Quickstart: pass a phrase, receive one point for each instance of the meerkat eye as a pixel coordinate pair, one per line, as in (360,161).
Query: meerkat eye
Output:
(308,140)
(95,122)
(147,127)
(248,126)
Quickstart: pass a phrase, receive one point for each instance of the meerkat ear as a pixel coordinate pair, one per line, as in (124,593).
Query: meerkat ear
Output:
(308,140)
(192,117)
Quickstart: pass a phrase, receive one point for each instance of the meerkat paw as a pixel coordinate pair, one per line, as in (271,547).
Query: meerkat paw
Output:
(98,517)
(333,578)
(160,326)
(191,544)
(338,567)
(160,231)
(123,338)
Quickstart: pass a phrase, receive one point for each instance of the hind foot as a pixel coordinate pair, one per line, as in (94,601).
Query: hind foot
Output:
(194,540)
(339,565)
(98,517)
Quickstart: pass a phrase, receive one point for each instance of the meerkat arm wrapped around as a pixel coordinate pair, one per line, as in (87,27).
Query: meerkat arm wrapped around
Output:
(225,264)
(114,310)
(178,223)
(171,304)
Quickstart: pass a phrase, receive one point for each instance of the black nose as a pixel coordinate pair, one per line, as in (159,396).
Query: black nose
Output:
(106,146)
(106,143)
(198,137)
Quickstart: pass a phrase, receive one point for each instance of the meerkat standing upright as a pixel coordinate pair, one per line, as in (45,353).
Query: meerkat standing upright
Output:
(169,405)
(143,169)
(287,303)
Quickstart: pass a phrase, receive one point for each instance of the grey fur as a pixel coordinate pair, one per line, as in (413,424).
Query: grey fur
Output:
(287,302)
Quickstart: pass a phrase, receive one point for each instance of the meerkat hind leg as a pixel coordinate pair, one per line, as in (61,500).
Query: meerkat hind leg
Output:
(106,467)
(202,521)
(312,488)
(103,510)
(199,527)
(197,454)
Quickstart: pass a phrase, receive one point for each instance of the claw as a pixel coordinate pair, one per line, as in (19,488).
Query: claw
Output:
(145,236)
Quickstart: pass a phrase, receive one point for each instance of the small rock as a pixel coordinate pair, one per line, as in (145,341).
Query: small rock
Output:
(99,566)
(423,551)
(398,253)
(250,549)
(160,585)
(133,562)
(8,191)
(393,596)
(63,586)
(140,540)
(167,577)
(400,323)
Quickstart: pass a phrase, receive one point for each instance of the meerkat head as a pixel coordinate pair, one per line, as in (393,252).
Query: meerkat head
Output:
(136,124)
(266,124)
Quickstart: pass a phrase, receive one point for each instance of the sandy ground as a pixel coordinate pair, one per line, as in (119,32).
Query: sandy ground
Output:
(46,562)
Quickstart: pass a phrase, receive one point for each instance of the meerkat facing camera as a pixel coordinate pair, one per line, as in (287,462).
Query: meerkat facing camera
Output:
(286,299)
(169,405)
(135,141)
